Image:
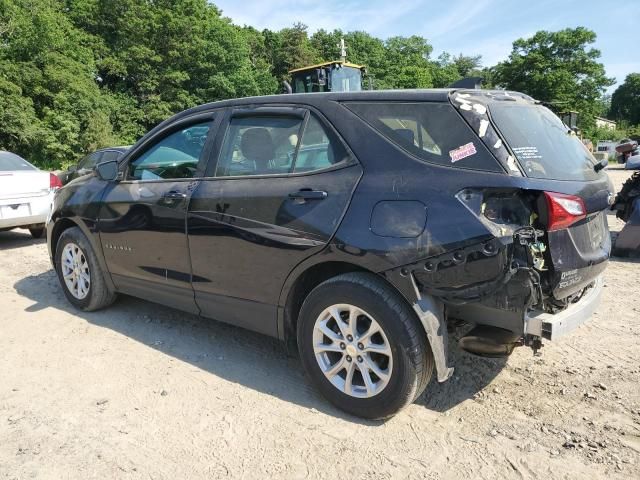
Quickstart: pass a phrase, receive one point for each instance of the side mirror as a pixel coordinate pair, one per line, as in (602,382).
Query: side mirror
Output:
(107,171)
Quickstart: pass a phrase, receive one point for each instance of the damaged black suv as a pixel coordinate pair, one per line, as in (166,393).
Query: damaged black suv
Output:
(356,226)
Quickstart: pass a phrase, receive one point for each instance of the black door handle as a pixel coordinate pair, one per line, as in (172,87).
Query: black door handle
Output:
(308,194)
(174,195)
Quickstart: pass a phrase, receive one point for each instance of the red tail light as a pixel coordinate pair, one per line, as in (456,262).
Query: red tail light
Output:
(563,210)
(54,182)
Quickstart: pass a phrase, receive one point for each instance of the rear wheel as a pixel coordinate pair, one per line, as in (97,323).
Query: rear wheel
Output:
(363,346)
(79,272)
(36,232)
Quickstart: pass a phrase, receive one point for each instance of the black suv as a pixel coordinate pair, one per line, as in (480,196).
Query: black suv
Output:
(355,225)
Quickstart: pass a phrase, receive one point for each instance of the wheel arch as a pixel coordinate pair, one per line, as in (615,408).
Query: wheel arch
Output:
(299,285)
(58,228)
(429,311)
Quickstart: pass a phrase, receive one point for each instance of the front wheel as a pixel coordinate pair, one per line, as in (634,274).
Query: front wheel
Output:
(363,346)
(79,272)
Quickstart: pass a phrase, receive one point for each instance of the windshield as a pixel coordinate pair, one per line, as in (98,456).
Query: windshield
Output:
(544,146)
(346,79)
(11,162)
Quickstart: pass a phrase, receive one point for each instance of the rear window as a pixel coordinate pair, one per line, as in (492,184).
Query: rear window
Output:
(433,132)
(543,145)
(10,162)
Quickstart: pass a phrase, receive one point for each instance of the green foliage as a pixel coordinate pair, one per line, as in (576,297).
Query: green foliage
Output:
(597,134)
(48,74)
(559,69)
(290,48)
(625,101)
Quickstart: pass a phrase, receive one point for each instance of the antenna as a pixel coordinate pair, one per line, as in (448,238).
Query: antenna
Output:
(343,50)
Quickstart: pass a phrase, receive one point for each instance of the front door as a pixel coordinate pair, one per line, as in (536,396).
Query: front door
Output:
(142,221)
(275,196)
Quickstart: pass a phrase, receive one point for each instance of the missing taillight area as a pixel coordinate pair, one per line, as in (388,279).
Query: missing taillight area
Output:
(563,210)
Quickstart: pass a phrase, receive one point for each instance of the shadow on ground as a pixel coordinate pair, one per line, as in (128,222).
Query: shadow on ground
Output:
(250,359)
(18,239)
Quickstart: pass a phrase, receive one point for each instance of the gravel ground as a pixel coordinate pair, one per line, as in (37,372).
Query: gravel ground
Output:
(143,391)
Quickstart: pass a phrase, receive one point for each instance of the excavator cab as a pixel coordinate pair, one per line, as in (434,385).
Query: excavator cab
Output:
(338,76)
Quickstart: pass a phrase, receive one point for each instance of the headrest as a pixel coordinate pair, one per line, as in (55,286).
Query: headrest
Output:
(257,145)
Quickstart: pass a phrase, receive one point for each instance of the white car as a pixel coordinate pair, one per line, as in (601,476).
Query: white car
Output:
(26,194)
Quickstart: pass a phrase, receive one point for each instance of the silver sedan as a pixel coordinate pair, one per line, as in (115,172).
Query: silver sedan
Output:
(26,193)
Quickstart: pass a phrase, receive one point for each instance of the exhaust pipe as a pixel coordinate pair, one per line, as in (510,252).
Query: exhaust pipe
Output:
(492,342)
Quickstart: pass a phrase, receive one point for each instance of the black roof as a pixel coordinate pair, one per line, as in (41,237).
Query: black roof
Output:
(432,95)
(319,98)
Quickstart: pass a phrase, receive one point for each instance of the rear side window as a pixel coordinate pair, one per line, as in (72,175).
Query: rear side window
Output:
(433,132)
(319,148)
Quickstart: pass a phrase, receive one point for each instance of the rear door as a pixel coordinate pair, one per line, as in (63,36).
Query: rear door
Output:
(274,196)
(143,217)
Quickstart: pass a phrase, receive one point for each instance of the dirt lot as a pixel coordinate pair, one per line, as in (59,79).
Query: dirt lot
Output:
(142,391)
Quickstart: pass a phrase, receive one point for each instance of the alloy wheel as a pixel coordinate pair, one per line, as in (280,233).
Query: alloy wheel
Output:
(75,270)
(352,350)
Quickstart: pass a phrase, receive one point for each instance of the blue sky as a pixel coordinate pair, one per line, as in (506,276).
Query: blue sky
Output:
(485,27)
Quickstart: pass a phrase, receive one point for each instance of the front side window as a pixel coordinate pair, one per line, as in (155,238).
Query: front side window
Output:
(175,156)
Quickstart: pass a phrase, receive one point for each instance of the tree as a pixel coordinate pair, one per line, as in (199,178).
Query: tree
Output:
(448,69)
(326,45)
(291,48)
(466,64)
(48,76)
(625,101)
(407,63)
(557,68)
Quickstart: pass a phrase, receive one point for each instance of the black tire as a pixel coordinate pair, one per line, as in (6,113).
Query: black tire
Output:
(412,357)
(36,232)
(99,295)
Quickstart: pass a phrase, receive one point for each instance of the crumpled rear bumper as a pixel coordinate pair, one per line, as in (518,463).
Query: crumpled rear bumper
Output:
(554,326)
